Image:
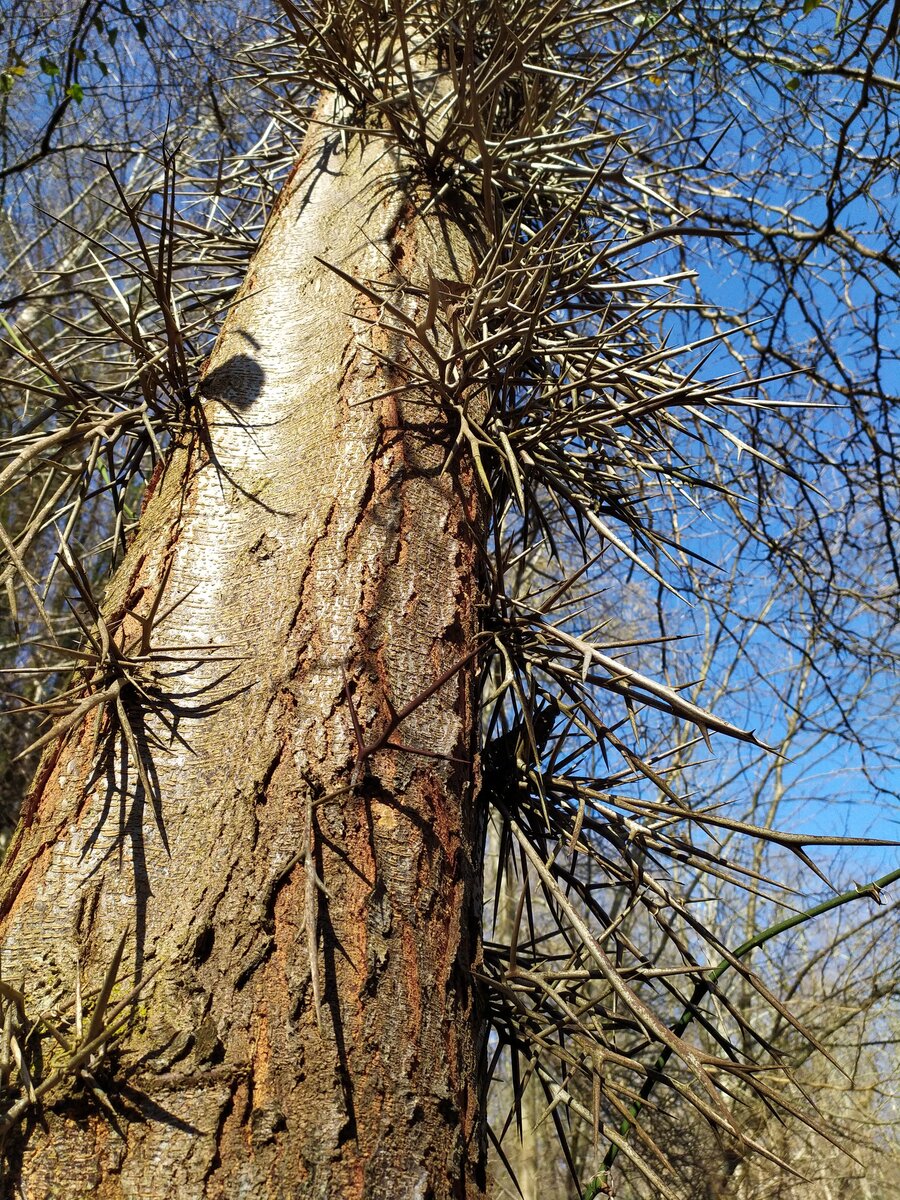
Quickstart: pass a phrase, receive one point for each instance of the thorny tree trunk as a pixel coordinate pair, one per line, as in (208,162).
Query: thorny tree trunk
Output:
(313,537)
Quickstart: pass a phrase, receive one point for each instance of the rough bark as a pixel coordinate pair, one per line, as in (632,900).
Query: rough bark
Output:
(308,532)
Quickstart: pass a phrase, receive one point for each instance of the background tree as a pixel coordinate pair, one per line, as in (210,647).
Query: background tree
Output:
(837,970)
(473,276)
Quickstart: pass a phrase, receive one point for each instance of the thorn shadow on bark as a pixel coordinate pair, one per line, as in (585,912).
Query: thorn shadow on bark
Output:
(146,1109)
(449,199)
(330,940)
(141,1109)
(113,761)
(332,1002)
(320,166)
(237,382)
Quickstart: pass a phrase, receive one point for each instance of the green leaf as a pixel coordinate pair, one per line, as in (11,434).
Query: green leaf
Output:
(810,6)
(48,66)
(76,91)
(792,84)
(6,83)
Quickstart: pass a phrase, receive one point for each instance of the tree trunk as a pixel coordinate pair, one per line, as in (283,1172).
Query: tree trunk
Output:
(309,569)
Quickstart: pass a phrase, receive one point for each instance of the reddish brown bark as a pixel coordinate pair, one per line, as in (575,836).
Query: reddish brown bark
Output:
(309,533)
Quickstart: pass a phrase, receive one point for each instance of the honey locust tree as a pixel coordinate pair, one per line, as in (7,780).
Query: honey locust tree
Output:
(240,915)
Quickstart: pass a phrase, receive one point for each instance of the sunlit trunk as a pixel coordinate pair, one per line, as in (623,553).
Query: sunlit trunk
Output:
(309,569)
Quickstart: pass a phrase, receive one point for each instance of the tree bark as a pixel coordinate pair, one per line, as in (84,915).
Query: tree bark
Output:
(306,531)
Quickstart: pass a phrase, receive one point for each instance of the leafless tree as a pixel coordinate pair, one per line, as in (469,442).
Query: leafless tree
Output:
(355,507)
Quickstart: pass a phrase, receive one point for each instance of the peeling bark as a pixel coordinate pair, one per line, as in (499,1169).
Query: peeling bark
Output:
(309,535)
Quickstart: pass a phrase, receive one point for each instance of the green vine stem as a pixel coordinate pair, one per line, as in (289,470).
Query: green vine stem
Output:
(703,987)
